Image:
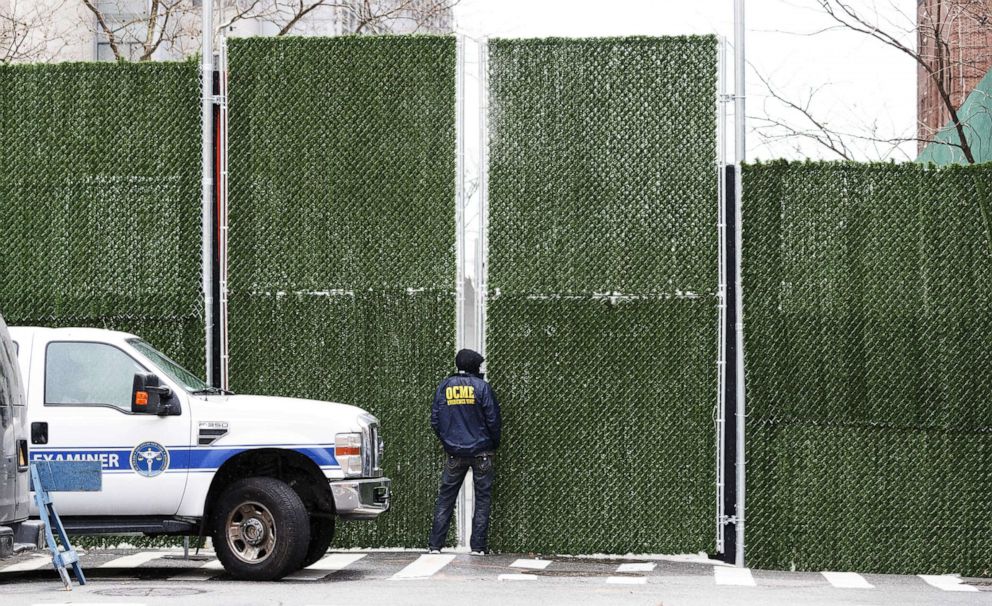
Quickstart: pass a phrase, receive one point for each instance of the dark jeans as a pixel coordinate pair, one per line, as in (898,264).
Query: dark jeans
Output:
(455,468)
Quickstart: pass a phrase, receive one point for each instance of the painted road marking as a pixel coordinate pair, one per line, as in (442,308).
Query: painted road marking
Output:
(423,567)
(947,582)
(517,577)
(532,564)
(627,580)
(336,561)
(33,564)
(733,576)
(636,567)
(325,566)
(134,560)
(212,565)
(847,580)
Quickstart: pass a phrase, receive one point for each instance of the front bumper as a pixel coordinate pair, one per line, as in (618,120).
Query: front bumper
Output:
(362,499)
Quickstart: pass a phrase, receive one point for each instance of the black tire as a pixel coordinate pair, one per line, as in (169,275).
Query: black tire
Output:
(261,529)
(321,535)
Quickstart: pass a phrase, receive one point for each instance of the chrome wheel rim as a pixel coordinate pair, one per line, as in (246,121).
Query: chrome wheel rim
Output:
(251,532)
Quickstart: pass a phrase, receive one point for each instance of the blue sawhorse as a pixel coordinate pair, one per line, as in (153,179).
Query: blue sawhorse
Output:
(62,476)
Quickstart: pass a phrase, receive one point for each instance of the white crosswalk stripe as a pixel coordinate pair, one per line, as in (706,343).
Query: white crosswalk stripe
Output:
(428,566)
(627,580)
(636,567)
(423,567)
(947,582)
(325,566)
(336,561)
(847,580)
(725,575)
(32,564)
(135,560)
(531,564)
(631,567)
(212,565)
(517,577)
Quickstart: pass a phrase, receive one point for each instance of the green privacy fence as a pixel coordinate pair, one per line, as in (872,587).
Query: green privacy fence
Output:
(602,311)
(868,321)
(342,241)
(868,287)
(100,200)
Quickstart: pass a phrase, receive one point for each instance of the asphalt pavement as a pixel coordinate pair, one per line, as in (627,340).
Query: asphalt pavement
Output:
(454,579)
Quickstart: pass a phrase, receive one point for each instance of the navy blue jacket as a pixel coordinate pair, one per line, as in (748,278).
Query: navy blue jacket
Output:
(465,416)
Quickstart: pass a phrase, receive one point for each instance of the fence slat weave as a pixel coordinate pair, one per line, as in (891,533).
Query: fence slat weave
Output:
(342,240)
(100,200)
(602,305)
(868,321)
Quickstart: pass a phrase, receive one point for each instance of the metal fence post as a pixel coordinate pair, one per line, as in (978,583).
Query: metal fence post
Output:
(740,151)
(222,231)
(207,99)
(482,242)
(464,502)
(721,412)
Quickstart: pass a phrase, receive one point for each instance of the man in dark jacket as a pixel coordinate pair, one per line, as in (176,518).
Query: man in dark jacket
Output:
(465,416)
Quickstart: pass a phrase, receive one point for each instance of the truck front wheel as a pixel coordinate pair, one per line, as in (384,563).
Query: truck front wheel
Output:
(321,535)
(261,529)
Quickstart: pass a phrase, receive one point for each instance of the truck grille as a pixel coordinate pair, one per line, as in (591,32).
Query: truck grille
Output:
(376,443)
(371,447)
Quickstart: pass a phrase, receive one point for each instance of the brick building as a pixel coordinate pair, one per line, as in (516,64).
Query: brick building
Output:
(963,28)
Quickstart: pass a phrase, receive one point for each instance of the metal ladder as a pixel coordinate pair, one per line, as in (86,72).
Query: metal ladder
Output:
(53,476)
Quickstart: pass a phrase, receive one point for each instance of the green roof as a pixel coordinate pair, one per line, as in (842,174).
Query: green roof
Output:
(976,116)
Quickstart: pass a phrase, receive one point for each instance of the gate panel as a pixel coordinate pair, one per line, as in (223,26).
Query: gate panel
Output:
(602,300)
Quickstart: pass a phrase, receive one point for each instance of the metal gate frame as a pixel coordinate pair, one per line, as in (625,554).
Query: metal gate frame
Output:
(476,340)
(480,268)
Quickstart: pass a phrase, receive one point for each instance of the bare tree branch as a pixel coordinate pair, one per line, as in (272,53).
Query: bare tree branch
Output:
(153,41)
(107,31)
(128,32)
(302,11)
(926,39)
(242,10)
(150,30)
(821,133)
(365,16)
(850,18)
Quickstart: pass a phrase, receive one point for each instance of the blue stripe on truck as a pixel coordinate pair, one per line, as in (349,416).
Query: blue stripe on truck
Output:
(180,457)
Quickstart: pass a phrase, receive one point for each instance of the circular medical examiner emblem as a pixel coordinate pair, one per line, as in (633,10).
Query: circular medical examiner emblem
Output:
(149,459)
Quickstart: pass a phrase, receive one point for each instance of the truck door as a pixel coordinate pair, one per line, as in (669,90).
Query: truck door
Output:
(8,442)
(85,414)
(22,496)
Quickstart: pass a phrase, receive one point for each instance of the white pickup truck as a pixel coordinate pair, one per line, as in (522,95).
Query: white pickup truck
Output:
(265,477)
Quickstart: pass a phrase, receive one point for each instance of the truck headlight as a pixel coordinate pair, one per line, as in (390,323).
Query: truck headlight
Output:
(348,452)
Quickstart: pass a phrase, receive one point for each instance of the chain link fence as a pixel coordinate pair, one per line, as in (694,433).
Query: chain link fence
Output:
(602,311)
(100,200)
(868,287)
(868,320)
(100,205)
(342,241)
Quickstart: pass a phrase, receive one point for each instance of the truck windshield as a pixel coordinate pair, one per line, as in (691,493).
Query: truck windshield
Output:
(175,372)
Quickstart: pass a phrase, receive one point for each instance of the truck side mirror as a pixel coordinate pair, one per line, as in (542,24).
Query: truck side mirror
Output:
(147,393)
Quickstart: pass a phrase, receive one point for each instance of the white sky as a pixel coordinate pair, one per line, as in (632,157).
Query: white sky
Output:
(861,83)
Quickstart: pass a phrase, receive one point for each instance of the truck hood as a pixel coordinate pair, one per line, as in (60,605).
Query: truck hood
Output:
(279,416)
